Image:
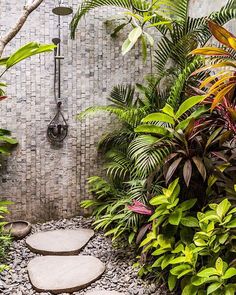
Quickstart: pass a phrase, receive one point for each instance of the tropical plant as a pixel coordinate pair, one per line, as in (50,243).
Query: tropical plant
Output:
(187,246)
(168,135)
(220,87)
(5,238)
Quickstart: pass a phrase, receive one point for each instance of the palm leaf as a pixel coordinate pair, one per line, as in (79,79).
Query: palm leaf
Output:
(146,154)
(123,96)
(175,96)
(88,5)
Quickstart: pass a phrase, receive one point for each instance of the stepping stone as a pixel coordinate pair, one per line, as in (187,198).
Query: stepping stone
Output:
(59,242)
(64,274)
(103,292)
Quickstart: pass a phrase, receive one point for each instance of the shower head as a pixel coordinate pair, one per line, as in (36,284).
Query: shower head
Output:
(62,10)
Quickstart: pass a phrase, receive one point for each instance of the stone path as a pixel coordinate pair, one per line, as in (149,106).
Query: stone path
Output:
(119,276)
(59,242)
(59,274)
(64,273)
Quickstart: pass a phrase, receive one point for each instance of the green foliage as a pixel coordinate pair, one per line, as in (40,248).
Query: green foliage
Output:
(187,247)
(5,239)
(168,136)
(24,52)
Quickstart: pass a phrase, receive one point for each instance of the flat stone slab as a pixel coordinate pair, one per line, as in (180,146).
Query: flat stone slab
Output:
(59,242)
(64,274)
(103,292)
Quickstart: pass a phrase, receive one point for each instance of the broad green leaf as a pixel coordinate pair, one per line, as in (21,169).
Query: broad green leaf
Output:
(159,252)
(219,265)
(27,51)
(230,289)
(188,104)
(158,262)
(158,200)
(213,287)
(210,271)
(146,128)
(8,139)
(3,61)
(186,205)
(179,268)
(150,236)
(223,208)
(172,282)
(178,260)
(231,272)
(168,110)
(135,34)
(175,217)
(166,261)
(231,224)
(159,117)
(189,221)
(185,272)
(127,45)
(190,290)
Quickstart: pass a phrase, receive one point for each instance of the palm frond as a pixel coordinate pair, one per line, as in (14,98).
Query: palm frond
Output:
(117,165)
(118,138)
(123,96)
(175,96)
(100,187)
(146,154)
(162,53)
(88,5)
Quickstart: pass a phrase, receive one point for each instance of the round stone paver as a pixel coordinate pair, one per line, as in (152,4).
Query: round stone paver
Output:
(103,292)
(59,242)
(64,274)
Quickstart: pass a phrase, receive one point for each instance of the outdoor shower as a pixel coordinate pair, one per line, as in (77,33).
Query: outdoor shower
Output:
(58,127)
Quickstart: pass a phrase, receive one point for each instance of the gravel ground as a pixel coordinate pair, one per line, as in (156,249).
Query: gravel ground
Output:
(119,274)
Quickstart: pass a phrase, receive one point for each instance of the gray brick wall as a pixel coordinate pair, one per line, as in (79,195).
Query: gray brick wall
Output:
(43,181)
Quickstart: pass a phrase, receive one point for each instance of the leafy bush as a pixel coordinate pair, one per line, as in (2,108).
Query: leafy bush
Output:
(193,250)
(5,238)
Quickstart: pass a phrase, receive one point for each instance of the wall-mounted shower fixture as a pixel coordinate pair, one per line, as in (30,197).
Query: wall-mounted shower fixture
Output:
(58,127)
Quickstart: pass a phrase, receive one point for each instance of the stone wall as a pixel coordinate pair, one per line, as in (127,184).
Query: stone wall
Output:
(46,182)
